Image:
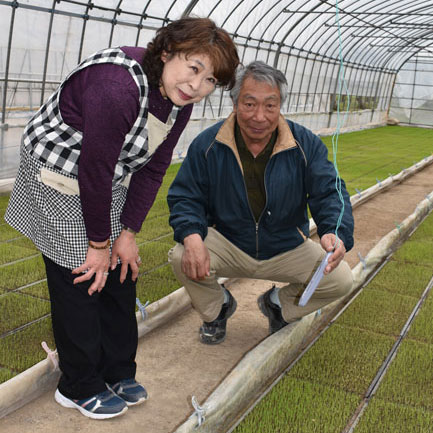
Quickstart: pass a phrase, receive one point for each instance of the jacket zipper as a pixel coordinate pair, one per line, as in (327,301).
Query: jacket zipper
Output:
(249,206)
(264,208)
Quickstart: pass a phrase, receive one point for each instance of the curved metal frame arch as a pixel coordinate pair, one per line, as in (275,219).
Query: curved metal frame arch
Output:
(117,12)
(83,29)
(140,23)
(244,19)
(379,53)
(265,30)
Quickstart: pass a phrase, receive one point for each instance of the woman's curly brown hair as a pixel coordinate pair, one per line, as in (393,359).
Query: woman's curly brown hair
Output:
(193,36)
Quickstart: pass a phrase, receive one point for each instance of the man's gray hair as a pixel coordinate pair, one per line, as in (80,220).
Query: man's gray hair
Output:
(259,71)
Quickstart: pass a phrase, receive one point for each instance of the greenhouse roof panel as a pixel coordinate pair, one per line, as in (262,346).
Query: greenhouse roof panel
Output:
(374,33)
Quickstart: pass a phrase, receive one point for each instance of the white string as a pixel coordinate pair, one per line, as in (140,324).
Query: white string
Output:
(341,84)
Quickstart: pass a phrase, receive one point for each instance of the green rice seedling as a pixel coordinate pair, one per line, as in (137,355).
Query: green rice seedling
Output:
(22,273)
(18,309)
(425,231)
(409,380)
(11,251)
(23,242)
(156,284)
(6,374)
(4,200)
(405,280)
(383,151)
(345,358)
(384,417)
(376,311)
(39,290)
(159,208)
(418,252)
(7,232)
(154,228)
(22,349)
(154,254)
(422,327)
(300,406)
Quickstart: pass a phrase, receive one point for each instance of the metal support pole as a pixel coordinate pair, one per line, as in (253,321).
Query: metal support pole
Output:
(47,51)
(413,90)
(8,58)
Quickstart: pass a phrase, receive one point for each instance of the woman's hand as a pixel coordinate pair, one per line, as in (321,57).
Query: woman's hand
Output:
(125,249)
(97,264)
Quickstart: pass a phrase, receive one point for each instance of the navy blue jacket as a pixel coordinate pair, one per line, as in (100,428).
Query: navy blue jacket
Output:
(209,190)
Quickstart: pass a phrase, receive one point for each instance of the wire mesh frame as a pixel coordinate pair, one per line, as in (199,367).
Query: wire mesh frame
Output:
(304,65)
(373,29)
(117,11)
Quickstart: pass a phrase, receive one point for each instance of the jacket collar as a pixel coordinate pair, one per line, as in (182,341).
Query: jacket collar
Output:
(285,139)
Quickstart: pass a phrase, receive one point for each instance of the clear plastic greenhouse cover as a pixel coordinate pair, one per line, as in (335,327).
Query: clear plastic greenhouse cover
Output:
(386,48)
(387,52)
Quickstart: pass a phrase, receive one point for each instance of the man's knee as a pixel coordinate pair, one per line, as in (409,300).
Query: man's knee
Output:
(175,258)
(345,280)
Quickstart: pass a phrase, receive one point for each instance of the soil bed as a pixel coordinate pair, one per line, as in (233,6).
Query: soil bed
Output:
(173,365)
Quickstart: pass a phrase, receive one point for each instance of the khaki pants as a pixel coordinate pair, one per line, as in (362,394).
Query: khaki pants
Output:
(295,267)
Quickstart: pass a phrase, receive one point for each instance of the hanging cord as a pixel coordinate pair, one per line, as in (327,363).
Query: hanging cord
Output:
(341,84)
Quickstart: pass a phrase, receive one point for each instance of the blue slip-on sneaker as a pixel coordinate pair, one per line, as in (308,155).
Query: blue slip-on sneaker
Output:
(104,405)
(130,391)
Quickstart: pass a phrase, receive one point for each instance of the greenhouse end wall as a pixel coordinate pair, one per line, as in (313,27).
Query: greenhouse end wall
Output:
(412,100)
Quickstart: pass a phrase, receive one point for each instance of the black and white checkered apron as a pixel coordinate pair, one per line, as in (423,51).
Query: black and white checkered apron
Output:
(52,219)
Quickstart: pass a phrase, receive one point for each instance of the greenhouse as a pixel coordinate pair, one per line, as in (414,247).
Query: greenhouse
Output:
(359,75)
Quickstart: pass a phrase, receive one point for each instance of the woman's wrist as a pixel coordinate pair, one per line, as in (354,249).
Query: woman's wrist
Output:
(100,245)
(128,229)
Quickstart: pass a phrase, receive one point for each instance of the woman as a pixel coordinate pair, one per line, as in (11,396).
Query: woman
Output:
(92,160)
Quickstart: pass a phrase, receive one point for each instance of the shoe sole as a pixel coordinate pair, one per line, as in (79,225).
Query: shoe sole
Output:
(209,341)
(66,402)
(203,338)
(135,403)
(129,403)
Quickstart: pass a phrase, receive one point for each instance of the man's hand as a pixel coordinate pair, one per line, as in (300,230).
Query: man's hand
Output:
(328,241)
(195,258)
(125,249)
(97,263)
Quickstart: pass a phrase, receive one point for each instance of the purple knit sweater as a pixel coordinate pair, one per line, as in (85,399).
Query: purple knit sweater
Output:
(102,101)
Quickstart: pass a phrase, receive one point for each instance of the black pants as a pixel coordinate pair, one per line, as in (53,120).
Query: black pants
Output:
(96,336)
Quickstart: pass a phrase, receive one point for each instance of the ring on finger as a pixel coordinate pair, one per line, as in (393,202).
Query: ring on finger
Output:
(138,260)
(105,274)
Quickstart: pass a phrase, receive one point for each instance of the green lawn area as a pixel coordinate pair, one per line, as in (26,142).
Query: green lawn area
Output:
(363,156)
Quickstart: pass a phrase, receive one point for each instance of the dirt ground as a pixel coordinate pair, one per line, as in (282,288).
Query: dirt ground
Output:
(174,366)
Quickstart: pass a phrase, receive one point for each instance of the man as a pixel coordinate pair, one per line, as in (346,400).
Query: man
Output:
(238,207)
